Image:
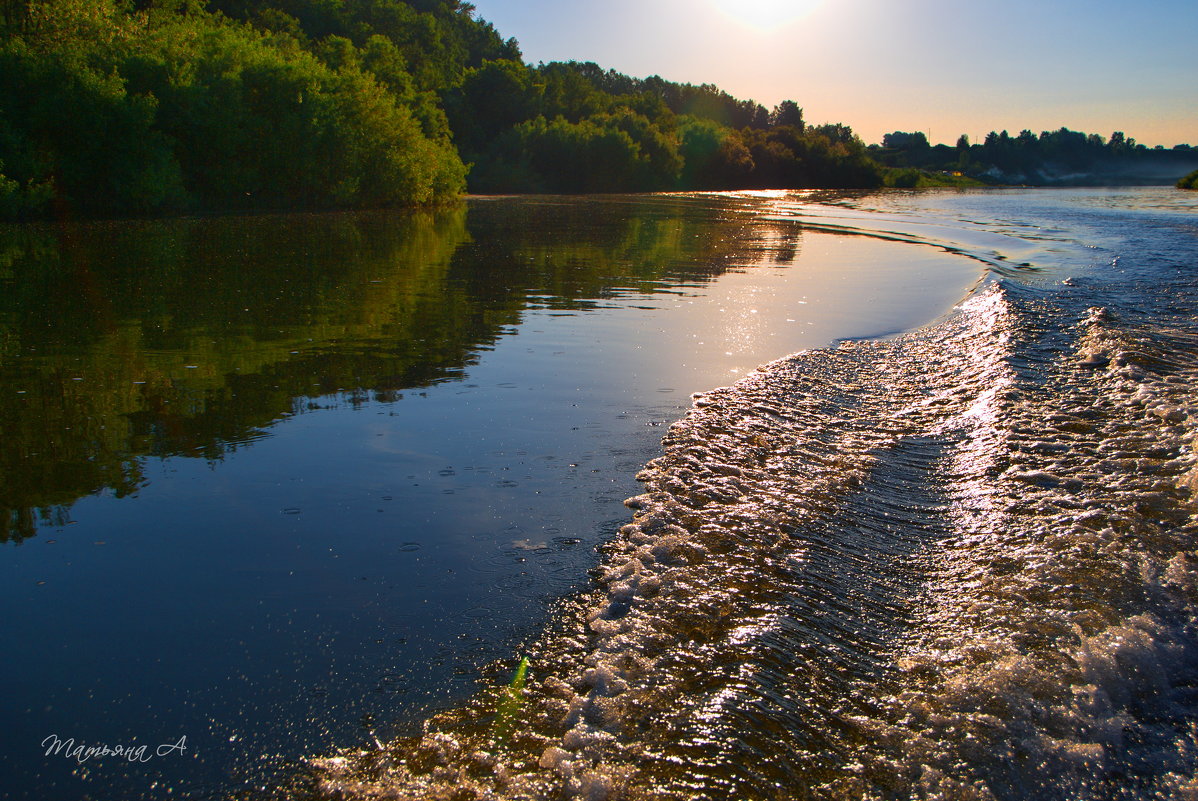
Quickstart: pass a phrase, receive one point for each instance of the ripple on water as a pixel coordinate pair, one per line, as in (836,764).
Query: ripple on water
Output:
(959,563)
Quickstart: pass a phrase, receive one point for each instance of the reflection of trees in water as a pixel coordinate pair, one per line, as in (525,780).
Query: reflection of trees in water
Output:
(190,337)
(187,337)
(573,251)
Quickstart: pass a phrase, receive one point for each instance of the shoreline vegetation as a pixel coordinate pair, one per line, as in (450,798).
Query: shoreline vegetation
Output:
(130,108)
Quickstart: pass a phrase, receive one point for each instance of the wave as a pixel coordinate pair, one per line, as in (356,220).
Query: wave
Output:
(958,563)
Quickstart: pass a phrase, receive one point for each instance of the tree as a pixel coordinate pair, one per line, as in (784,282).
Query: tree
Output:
(567,92)
(901,140)
(839,132)
(714,156)
(491,99)
(787,113)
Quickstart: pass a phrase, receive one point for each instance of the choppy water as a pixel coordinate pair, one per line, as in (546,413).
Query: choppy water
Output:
(957,563)
(278,484)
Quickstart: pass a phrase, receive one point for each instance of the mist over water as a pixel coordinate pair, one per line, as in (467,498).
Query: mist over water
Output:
(954,563)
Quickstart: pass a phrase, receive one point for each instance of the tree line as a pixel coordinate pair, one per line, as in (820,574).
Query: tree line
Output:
(572,127)
(1052,157)
(144,107)
(141,107)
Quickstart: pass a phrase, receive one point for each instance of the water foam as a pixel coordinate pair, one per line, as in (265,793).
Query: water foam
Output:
(955,564)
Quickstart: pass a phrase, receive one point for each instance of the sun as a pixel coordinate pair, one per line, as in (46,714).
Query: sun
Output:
(765,15)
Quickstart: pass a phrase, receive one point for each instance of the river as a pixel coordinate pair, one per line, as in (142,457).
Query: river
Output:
(284,486)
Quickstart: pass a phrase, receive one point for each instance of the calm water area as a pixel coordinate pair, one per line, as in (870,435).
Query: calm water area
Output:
(275,485)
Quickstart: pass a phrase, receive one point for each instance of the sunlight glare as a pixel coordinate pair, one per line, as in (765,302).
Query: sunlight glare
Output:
(765,15)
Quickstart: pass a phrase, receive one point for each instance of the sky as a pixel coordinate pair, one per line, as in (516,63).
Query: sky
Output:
(944,67)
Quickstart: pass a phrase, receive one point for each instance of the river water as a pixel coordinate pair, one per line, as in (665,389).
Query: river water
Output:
(288,487)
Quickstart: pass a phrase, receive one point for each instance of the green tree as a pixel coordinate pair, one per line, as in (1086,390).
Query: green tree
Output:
(787,113)
(491,99)
(714,156)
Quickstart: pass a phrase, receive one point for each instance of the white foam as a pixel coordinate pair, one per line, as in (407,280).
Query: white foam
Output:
(981,585)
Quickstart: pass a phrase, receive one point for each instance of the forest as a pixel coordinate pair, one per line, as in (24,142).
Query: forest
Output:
(153,107)
(1061,157)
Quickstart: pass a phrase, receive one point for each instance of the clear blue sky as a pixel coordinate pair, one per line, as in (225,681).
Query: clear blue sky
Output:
(938,66)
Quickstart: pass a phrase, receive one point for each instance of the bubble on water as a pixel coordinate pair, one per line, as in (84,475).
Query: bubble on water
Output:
(954,564)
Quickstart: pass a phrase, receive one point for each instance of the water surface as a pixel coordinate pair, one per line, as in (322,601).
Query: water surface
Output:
(958,563)
(280,485)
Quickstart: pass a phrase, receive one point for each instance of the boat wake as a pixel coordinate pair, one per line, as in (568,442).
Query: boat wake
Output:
(954,564)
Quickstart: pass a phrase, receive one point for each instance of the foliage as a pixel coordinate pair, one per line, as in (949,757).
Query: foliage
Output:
(912,178)
(437,39)
(573,127)
(1061,156)
(509,703)
(714,156)
(104,111)
(787,114)
(822,156)
(603,153)
(1189,182)
(139,107)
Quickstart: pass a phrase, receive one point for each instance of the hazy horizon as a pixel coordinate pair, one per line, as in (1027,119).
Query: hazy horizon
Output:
(928,65)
